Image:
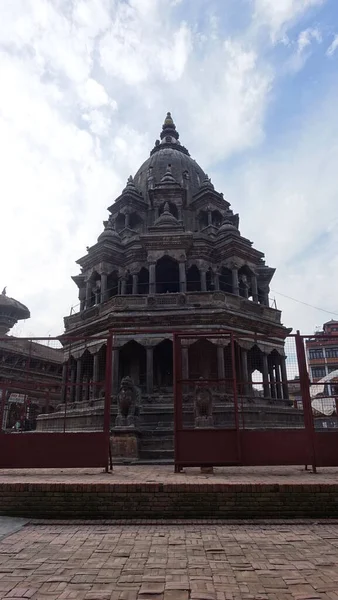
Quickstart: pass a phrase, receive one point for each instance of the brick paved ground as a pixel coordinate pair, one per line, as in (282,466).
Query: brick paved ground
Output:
(224,562)
(127,474)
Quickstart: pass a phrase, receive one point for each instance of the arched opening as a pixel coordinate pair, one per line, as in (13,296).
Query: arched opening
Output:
(135,222)
(202,219)
(132,362)
(225,280)
(112,284)
(167,276)
(216,218)
(255,371)
(210,280)
(143,281)
(129,284)
(163,366)
(203,360)
(120,222)
(244,280)
(193,279)
(95,281)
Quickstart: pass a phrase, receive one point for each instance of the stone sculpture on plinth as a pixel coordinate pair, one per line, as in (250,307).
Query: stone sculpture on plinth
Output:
(124,440)
(203,406)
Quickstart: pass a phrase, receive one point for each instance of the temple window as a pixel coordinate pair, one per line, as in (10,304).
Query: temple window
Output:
(163,365)
(172,207)
(120,222)
(225,280)
(143,281)
(203,219)
(210,280)
(216,218)
(112,284)
(133,362)
(135,222)
(244,278)
(167,276)
(193,279)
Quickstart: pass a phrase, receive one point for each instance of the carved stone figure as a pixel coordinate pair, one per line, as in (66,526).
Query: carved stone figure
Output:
(127,404)
(203,406)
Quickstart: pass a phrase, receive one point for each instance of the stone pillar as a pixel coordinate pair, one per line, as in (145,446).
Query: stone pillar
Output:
(209,217)
(220,362)
(266,386)
(64,382)
(126,221)
(179,211)
(72,381)
(235,282)
(135,284)
(278,379)
(78,390)
(96,374)
(157,213)
(150,369)
(284,378)
(82,298)
(104,295)
(245,372)
(185,368)
(203,281)
(183,277)
(254,288)
(123,286)
(115,370)
(97,293)
(216,280)
(86,387)
(88,293)
(272,382)
(152,278)
(266,297)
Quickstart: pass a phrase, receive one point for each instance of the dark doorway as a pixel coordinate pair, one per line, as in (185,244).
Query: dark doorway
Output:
(163,365)
(167,276)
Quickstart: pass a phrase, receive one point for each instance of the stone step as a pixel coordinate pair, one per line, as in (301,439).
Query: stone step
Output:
(158,454)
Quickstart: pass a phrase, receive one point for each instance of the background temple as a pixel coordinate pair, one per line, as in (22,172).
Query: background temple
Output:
(171,256)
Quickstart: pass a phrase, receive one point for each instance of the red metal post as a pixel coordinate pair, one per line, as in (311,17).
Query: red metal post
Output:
(234,383)
(306,397)
(107,397)
(177,367)
(2,406)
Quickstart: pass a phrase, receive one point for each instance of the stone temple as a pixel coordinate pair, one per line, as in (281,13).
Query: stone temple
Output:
(171,256)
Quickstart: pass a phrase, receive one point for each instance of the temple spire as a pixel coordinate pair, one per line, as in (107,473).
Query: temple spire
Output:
(169,133)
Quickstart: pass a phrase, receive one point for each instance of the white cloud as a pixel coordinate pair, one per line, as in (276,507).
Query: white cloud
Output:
(305,38)
(83,84)
(278,15)
(333,46)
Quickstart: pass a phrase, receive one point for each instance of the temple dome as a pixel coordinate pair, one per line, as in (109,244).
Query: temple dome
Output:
(166,219)
(109,233)
(228,227)
(166,152)
(11,311)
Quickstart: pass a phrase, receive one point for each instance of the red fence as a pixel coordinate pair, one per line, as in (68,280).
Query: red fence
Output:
(55,402)
(236,399)
(253,403)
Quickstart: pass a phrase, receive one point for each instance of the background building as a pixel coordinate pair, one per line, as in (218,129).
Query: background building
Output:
(322,354)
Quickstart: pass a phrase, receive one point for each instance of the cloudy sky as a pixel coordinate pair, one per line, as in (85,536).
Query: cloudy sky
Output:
(85,85)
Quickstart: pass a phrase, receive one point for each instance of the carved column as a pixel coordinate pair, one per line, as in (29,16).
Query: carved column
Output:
(266,386)
(150,369)
(183,277)
(254,288)
(185,367)
(86,388)
(220,362)
(64,382)
(115,370)
(96,374)
(179,210)
(104,287)
(278,379)
(216,280)
(126,221)
(266,297)
(78,390)
(123,286)
(235,282)
(209,217)
(72,383)
(135,284)
(88,293)
(157,213)
(203,281)
(82,298)
(245,372)
(284,378)
(272,382)
(152,278)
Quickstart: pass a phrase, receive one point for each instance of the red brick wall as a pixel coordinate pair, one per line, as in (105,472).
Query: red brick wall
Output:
(160,501)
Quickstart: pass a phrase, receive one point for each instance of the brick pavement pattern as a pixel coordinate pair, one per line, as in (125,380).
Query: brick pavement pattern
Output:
(201,562)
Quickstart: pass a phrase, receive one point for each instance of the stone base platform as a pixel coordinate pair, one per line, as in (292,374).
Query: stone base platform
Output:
(156,492)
